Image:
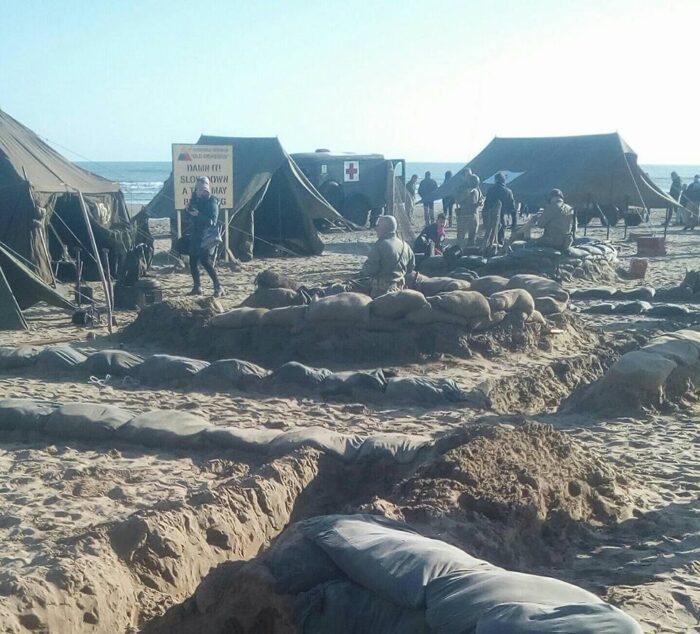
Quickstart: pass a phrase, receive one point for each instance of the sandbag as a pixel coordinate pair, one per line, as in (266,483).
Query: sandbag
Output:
(642,293)
(344,446)
(489,284)
(361,384)
(667,310)
(238,318)
(433,285)
(343,606)
(457,600)
(458,285)
(539,286)
(287,317)
(160,369)
(515,299)
(679,293)
(640,370)
(252,439)
(537,318)
(20,357)
(549,305)
(428,315)
(471,305)
(232,373)
(424,391)
(598,292)
(344,307)
(387,557)
(273,298)
(496,318)
(534,618)
(59,359)
(605,308)
(112,362)
(632,308)
(164,428)
(397,305)
(400,448)
(296,376)
(87,421)
(25,414)
(677,350)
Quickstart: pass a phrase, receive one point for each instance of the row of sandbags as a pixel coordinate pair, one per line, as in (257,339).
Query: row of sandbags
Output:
(667,367)
(353,574)
(477,305)
(93,422)
(681,293)
(291,378)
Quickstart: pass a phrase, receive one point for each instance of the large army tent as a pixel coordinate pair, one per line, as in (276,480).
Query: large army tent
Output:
(40,210)
(20,288)
(599,168)
(274,204)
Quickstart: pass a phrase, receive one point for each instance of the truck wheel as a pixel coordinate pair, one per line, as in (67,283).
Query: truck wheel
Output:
(356,209)
(333,193)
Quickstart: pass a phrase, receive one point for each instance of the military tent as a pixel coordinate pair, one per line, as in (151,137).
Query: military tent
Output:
(599,168)
(20,288)
(274,204)
(40,209)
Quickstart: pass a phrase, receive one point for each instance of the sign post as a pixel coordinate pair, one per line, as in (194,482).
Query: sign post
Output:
(213,161)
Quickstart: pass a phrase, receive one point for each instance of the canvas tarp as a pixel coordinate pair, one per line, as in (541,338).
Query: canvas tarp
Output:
(20,288)
(274,204)
(39,206)
(598,168)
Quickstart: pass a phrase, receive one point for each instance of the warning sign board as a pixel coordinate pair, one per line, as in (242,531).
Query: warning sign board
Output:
(213,161)
(351,171)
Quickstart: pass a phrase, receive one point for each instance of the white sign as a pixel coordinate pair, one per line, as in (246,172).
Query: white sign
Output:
(213,161)
(509,176)
(324,169)
(351,171)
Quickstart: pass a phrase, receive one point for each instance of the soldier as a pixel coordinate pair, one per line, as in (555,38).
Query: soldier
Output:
(470,202)
(558,221)
(425,189)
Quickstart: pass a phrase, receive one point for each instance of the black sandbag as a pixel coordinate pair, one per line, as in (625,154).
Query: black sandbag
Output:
(667,310)
(59,359)
(112,362)
(20,357)
(599,292)
(457,600)
(87,421)
(294,375)
(532,618)
(160,369)
(345,446)
(165,428)
(605,308)
(345,607)
(642,293)
(232,373)
(354,384)
(297,563)
(400,448)
(387,557)
(422,391)
(632,308)
(674,294)
(25,414)
(253,439)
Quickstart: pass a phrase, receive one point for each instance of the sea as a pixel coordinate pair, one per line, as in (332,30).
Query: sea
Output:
(141,180)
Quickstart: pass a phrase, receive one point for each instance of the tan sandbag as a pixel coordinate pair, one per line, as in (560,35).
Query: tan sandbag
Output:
(397,305)
(431,286)
(639,370)
(273,298)
(513,299)
(385,325)
(536,317)
(471,305)
(549,305)
(287,317)
(346,307)
(495,319)
(429,315)
(489,284)
(458,285)
(539,286)
(239,318)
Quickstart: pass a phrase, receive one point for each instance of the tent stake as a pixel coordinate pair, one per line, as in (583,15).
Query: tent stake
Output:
(93,244)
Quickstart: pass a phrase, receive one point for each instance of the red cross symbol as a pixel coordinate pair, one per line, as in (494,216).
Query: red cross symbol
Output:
(351,171)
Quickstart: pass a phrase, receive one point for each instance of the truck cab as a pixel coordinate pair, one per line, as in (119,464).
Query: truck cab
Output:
(354,184)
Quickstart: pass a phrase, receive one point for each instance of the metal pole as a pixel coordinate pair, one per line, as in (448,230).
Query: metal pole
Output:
(178,214)
(226,251)
(93,244)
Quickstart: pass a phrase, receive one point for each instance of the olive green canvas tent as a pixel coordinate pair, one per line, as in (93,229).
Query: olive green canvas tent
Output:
(20,288)
(275,207)
(40,210)
(599,168)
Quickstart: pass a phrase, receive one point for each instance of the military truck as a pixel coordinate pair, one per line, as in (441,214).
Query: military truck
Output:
(354,184)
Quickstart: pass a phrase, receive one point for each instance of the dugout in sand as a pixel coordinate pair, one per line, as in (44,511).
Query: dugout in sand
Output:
(40,210)
(275,207)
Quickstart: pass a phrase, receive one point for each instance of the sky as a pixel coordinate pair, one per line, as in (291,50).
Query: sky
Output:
(422,80)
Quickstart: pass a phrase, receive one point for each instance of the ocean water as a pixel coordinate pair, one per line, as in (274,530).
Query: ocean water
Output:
(141,180)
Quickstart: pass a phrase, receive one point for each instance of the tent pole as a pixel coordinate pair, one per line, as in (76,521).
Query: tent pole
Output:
(98,259)
(226,251)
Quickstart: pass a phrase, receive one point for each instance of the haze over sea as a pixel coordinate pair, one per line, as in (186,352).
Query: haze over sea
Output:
(141,180)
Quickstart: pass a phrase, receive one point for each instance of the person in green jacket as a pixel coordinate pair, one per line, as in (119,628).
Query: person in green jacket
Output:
(558,221)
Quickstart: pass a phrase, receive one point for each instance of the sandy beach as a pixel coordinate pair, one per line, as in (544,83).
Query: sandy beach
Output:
(637,547)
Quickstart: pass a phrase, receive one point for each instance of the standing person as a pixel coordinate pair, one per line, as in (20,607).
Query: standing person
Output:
(411,187)
(675,193)
(692,202)
(389,260)
(499,192)
(470,202)
(449,202)
(204,214)
(425,189)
